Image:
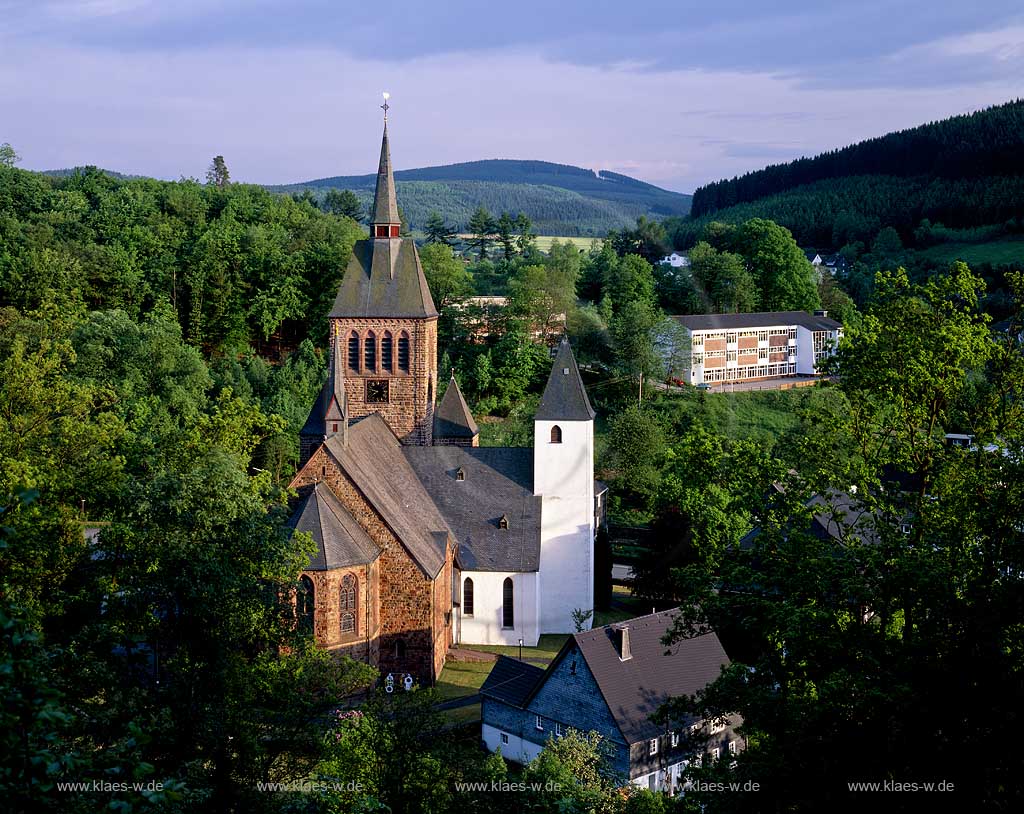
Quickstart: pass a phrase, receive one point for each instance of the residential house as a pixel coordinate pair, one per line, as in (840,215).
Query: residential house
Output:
(611,680)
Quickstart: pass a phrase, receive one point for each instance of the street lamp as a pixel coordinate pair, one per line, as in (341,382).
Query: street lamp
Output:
(520,649)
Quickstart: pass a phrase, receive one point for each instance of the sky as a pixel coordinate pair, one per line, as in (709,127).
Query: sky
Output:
(674,92)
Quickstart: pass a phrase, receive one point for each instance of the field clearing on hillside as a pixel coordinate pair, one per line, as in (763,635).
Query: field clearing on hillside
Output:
(997,252)
(583,243)
(543,242)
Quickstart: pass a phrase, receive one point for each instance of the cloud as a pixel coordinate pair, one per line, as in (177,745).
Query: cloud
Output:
(676,92)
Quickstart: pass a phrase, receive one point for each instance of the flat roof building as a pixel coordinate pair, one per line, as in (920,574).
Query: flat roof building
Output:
(746,347)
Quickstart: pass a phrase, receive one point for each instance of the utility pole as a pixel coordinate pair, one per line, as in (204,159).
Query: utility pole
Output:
(640,399)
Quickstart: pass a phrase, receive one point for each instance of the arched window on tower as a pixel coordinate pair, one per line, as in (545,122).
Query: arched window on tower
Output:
(385,351)
(353,351)
(508,618)
(467,597)
(305,601)
(370,351)
(556,434)
(399,650)
(403,352)
(348,604)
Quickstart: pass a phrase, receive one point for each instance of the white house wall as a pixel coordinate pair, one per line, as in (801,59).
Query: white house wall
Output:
(564,477)
(484,626)
(804,350)
(517,749)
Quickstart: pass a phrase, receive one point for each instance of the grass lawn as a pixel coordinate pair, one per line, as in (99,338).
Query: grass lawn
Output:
(460,678)
(609,617)
(541,655)
(761,415)
(997,252)
(464,715)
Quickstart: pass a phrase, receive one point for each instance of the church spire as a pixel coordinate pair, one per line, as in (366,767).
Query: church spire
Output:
(564,397)
(385,221)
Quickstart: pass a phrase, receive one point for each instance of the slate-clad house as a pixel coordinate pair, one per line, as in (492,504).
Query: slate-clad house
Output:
(609,680)
(423,538)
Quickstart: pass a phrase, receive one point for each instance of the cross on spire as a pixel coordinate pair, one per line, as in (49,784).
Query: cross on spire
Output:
(385,106)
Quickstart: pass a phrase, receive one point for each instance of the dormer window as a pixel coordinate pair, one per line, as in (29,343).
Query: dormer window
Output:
(503,522)
(460,474)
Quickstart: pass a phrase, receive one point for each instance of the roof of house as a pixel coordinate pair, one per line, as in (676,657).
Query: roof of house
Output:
(497,481)
(765,319)
(510,680)
(837,515)
(564,397)
(385,201)
(373,459)
(384,278)
(452,418)
(340,540)
(636,688)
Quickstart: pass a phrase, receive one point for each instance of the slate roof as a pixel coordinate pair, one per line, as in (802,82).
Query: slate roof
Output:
(332,402)
(498,480)
(564,398)
(339,538)
(837,515)
(636,688)
(510,681)
(765,319)
(384,278)
(452,418)
(373,459)
(385,201)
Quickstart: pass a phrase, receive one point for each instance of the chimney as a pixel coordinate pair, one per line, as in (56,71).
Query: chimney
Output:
(821,312)
(622,642)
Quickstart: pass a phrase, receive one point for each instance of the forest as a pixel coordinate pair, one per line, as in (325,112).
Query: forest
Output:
(977,145)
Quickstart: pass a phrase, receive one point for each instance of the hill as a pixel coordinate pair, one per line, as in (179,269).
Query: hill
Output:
(558,198)
(929,183)
(988,142)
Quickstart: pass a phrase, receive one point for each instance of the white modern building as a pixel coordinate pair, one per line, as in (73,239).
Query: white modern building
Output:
(744,347)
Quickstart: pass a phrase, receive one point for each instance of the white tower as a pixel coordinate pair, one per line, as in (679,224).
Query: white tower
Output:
(563,475)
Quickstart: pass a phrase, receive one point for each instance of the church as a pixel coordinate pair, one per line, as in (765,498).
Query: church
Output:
(424,539)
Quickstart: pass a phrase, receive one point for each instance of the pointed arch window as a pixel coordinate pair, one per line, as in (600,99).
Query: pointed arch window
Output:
(467,597)
(385,351)
(508,618)
(403,352)
(348,603)
(370,351)
(556,434)
(305,601)
(353,351)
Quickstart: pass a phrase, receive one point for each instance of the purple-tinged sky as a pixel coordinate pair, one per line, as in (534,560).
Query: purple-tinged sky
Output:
(674,92)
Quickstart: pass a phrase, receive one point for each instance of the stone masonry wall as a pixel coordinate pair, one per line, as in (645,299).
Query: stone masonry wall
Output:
(410,408)
(407,600)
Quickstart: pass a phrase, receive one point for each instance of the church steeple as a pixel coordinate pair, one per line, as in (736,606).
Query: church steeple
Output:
(385,221)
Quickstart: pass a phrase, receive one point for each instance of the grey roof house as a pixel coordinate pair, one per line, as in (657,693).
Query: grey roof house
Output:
(610,680)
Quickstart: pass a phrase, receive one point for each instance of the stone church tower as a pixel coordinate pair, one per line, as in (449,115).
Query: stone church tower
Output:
(383,328)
